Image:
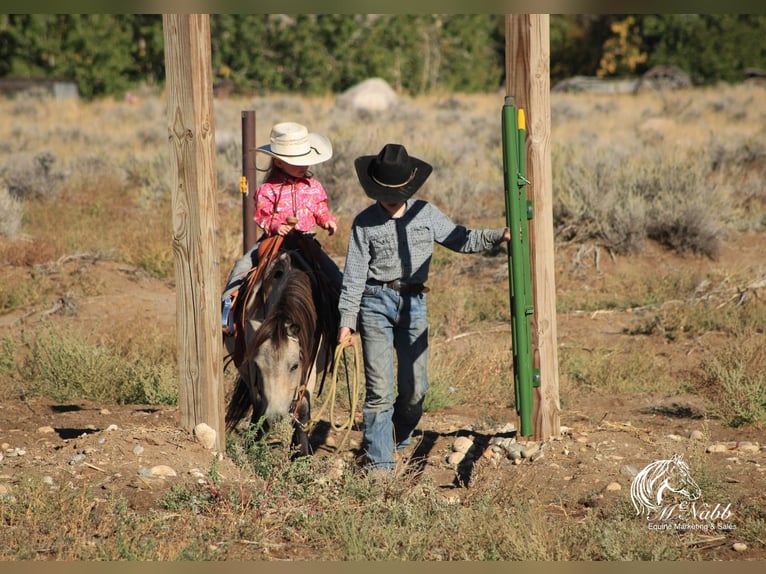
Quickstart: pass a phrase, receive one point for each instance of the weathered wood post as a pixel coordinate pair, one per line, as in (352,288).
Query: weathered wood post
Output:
(191,134)
(527,64)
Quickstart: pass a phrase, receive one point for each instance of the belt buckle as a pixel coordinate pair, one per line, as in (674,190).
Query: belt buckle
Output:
(396,285)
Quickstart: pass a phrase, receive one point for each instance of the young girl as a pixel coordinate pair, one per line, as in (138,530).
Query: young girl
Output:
(289,197)
(384,294)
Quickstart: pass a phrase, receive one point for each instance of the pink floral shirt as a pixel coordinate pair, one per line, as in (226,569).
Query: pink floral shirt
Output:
(282,197)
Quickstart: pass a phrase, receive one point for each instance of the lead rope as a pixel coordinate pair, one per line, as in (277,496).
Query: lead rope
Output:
(352,383)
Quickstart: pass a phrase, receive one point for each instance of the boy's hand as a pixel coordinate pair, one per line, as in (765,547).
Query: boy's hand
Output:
(344,336)
(330,226)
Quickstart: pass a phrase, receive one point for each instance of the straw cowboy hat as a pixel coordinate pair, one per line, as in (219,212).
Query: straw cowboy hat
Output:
(393,175)
(292,143)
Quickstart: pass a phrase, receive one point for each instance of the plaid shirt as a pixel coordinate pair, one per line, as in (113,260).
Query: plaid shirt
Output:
(383,249)
(282,196)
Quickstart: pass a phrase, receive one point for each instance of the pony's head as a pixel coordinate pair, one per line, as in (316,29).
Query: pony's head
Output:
(280,347)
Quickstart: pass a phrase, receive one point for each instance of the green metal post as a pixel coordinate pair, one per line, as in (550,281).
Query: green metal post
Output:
(518,212)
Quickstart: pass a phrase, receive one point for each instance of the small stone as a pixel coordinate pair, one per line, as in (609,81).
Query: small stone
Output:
(112,428)
(514,454)
(456,458)
(739,546)
(673,437)
(162,470)
(105,412)
(138,449)
(76,459)
(696,435)
(462,444)
(717,447)
(528,451)
(46,430)
(749,448)
(205,435)
(613,487)
(48,480)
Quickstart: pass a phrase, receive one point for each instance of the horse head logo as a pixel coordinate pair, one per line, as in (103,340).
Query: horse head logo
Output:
(659,479)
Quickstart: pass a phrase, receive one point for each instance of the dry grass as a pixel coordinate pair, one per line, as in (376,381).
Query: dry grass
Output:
(681,168)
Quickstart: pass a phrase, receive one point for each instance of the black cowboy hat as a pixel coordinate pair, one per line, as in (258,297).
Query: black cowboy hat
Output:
(392,176)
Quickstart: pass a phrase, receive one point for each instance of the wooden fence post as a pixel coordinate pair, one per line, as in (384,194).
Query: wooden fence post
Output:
(191,134)
(527,64)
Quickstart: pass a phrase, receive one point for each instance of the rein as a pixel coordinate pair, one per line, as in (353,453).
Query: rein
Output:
(352,384)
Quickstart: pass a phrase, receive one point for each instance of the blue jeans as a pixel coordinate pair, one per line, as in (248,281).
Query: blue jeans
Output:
(392,326)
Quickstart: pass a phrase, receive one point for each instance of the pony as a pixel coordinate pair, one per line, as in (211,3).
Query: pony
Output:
(285,320)
(659,478)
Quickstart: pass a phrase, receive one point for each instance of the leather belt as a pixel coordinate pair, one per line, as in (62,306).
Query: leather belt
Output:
(403,288)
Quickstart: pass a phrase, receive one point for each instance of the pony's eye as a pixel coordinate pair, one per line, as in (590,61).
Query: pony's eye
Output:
(294,367)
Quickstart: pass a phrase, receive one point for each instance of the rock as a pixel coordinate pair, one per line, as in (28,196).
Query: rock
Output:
(462,444)
(76,459)
(717,447)
(138,449)
(46,430)
(161,470)
(205,435)
(696,435)
(739,546)
(673,437)
(372,95)
(613,487)
(528,450)
(748,448)
(112,428)
(456,458)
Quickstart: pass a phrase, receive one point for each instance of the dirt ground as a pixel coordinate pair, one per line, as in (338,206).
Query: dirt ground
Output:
(604,440)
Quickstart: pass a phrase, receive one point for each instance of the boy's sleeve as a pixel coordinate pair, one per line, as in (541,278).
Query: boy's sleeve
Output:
(354,278)
(458,238)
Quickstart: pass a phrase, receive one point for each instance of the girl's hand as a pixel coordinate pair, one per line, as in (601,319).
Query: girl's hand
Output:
(284,229)
(330,226)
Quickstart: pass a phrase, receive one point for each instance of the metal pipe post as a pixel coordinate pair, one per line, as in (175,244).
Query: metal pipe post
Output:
(518,211)
(248,180)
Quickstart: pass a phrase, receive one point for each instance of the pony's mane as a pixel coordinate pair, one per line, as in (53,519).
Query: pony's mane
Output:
(292,314)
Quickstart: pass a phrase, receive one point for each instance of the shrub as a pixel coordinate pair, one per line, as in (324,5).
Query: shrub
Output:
(64,365)
(11,212)
(734,378)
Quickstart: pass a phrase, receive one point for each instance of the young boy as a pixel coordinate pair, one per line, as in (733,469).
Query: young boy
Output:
(384,293)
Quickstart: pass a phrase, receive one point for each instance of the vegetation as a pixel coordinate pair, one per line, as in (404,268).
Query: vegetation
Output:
(108,54)
(675,171)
